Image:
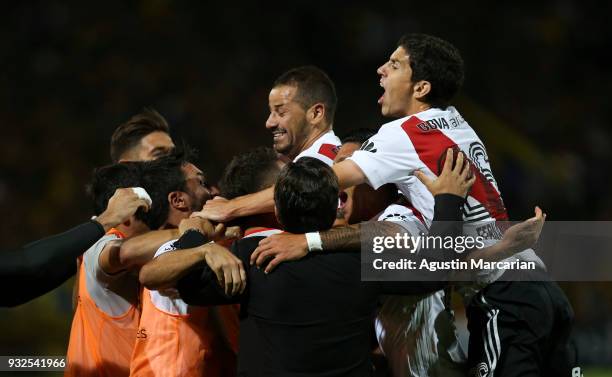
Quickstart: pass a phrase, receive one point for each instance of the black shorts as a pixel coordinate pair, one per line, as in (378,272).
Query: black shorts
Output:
(520,329)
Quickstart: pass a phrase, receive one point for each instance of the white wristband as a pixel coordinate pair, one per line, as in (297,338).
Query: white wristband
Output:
(314,241)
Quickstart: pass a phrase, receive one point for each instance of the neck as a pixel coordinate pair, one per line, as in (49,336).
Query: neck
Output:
(416,107)
(174,218)
(314,135)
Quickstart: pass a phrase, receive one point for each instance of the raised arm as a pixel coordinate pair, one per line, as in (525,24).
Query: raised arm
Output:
(41,266)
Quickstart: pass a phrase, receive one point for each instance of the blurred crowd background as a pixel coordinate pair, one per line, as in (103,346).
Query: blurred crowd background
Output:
(537,91)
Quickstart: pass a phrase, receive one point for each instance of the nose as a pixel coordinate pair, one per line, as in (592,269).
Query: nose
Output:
(271,122)
(381,70)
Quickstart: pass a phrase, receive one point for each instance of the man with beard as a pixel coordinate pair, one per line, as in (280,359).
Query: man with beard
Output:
(302,106)
(174,338)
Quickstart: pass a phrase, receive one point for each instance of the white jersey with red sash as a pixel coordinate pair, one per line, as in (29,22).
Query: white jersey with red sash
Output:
(419,142)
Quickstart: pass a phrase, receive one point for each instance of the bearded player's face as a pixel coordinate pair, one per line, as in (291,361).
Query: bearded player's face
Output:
(287,121)
(196,187)
(396,80)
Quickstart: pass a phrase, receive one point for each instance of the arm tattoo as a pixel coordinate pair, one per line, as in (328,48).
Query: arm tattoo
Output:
(348,237)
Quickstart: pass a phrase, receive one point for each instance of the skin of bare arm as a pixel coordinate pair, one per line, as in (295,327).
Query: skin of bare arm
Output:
(134,252)
(165,270)
(286,247)
(517,238)
(223,210)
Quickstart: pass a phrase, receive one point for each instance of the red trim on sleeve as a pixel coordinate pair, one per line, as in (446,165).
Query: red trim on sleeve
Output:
(328,150)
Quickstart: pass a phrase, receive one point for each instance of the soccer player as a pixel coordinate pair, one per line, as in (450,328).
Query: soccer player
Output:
(302,106)
(145,136)
(174,338)
(106,316)
(416,333)
(43,265)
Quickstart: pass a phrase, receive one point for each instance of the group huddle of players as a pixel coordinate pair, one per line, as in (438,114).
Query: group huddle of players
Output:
(260,274)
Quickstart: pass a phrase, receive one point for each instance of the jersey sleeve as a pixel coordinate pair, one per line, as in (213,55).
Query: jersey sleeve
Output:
(92,262)
(168,246)
(325,153)
(387,157)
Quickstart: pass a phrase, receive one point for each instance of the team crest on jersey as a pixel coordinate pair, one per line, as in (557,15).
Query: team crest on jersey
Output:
(368,146)
(478,155)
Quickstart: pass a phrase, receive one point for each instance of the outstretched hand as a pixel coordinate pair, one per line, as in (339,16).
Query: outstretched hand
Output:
(524,235)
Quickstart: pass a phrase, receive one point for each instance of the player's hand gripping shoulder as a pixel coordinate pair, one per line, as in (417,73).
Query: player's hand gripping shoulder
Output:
(123,204)
(279,248)
(227,267)
(454,179)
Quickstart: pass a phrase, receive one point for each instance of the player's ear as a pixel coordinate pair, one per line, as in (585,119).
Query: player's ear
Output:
(316,113)
(421,89)
(178,200)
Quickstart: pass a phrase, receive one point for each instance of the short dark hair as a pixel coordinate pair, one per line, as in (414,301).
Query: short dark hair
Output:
(129,134)
(358,135)
(306,196)
(163,176)
(313,86)
(105,180)
(437,61)
(249,172)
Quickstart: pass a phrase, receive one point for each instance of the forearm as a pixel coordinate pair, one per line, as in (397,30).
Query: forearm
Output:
(348,238)
(447,222)
(165,270)
(139,250)
(349,174)
(43,265)
(252,204)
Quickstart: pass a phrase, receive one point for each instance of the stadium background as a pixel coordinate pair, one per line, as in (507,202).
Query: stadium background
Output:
(537,91)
